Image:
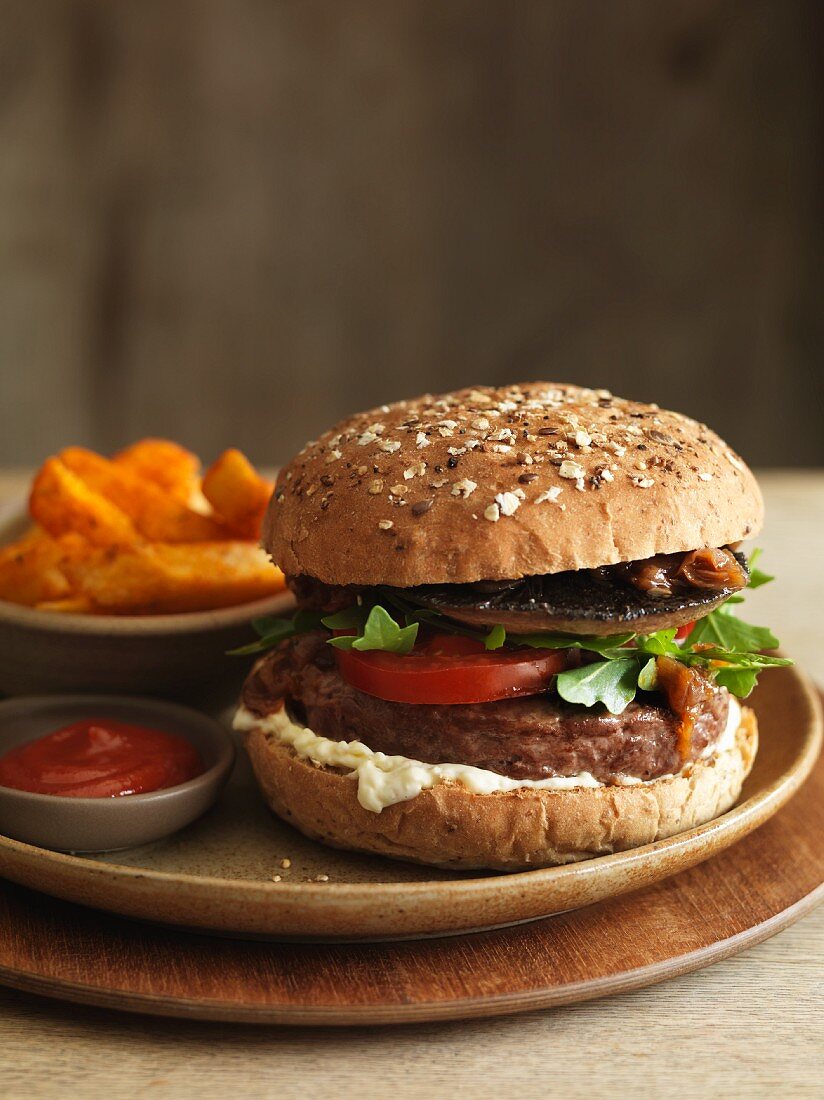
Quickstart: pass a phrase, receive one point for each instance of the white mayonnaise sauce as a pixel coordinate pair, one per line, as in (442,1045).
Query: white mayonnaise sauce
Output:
(384,780)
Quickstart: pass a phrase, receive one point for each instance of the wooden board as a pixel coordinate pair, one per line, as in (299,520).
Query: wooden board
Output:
(706,913)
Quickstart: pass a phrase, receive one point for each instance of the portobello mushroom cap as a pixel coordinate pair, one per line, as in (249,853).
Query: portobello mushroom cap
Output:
(587,601)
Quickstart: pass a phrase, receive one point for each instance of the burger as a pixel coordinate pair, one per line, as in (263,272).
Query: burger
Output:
(514,643)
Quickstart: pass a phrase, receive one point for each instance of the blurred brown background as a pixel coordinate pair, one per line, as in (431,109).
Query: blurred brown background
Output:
(234,222)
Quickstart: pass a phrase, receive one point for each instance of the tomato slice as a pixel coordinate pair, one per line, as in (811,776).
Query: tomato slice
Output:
(684,632)
(448,668)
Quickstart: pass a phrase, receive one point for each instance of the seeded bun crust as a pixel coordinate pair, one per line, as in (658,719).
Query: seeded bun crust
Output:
(492,484)
(449,826)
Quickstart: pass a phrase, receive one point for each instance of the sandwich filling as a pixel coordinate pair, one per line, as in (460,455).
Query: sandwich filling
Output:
(498,685)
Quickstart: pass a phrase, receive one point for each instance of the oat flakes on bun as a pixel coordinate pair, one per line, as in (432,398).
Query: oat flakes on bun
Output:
(515,643)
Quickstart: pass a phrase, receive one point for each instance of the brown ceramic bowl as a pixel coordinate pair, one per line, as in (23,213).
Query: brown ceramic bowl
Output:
(109,824)
(180,656)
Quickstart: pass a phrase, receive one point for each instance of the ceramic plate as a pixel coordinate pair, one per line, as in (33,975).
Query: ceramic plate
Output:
(218,875)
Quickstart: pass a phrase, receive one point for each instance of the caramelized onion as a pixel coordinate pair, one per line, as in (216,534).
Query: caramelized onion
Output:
(666,574)
(687,691)
(712,569)
(656,576)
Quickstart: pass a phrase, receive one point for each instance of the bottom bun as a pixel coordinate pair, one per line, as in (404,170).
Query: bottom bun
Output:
(450,826)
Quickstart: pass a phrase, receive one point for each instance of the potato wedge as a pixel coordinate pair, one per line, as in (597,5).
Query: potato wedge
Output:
(30,570)
(164,463)
(137,535)
(162,578)
(157,515)
(29,538)
(237,493)
(61,503)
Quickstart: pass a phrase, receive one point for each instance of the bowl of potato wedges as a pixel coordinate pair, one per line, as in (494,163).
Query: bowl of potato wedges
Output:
(135,573)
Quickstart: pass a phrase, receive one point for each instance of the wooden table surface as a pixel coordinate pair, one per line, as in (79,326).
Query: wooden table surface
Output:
(751,1026)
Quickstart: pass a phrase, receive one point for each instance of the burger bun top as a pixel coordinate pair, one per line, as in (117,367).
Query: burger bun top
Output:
(501,483)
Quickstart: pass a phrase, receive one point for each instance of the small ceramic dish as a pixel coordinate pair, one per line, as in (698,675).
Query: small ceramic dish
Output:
(182,656)
(109,824)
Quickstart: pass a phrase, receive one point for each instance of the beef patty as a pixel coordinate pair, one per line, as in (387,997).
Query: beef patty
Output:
(532,737)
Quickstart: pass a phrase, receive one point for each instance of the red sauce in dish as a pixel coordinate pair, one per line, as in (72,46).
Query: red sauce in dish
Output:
(100,758)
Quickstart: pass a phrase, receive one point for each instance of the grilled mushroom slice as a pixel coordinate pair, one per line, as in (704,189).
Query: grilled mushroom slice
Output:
(665,591)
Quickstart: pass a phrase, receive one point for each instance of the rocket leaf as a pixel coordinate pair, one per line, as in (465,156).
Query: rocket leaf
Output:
(612,683)
(379,632)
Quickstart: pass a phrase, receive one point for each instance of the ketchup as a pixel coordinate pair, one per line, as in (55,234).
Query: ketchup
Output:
(100,758)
